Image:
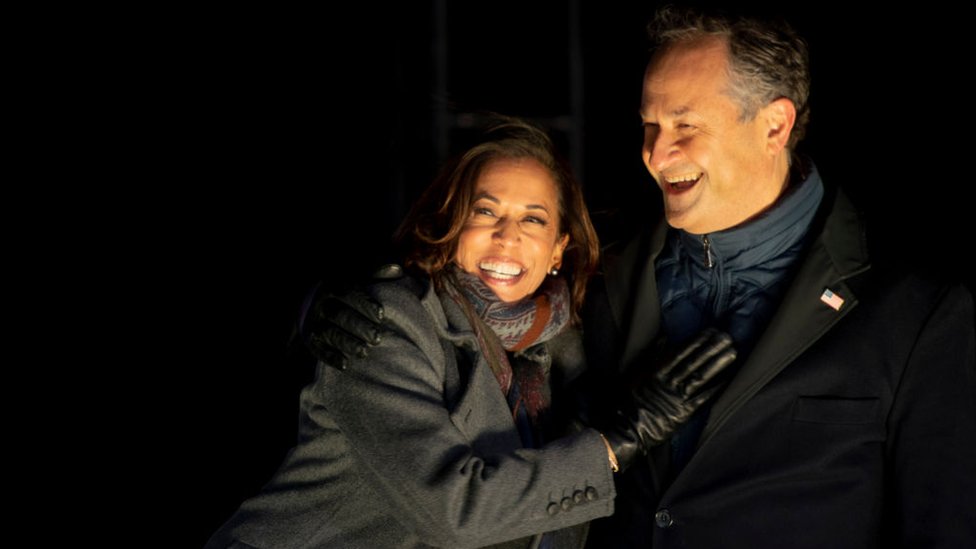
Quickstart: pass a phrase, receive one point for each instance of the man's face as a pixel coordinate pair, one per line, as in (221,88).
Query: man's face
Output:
(714,170)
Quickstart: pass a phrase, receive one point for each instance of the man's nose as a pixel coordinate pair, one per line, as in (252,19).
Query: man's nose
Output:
(660,150)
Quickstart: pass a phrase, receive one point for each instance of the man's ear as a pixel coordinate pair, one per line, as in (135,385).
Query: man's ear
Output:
(780,115)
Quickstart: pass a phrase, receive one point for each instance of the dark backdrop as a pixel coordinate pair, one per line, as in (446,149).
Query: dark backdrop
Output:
(289,144)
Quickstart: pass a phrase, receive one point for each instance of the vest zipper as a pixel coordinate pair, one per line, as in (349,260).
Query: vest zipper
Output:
(708,252)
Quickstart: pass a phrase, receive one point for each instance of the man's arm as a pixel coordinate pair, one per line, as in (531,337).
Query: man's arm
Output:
(339,327)
(931,448)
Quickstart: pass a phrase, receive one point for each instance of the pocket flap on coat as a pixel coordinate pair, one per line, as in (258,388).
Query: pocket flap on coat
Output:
(839,410)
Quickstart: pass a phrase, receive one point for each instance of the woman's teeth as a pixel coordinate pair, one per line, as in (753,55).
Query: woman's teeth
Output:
(501,270)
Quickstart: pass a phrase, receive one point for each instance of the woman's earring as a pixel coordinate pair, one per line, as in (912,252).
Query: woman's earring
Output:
(554,271)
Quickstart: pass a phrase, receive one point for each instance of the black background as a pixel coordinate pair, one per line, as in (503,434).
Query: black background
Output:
(279,148)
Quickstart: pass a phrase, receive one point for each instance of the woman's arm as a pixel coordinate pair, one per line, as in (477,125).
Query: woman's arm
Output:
(422,457)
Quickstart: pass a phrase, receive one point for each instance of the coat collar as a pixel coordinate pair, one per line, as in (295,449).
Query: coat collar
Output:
(763,237)
(837,253)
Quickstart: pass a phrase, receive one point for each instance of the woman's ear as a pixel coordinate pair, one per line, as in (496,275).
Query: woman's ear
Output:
(557,252)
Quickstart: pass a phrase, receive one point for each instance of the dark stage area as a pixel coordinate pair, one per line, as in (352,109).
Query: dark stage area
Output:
(289,145)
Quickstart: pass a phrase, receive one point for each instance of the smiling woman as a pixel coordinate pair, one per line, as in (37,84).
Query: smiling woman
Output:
(454,432)
(506,211)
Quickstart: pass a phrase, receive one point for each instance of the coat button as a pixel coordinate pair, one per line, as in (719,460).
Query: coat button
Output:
(566,504)
(591,493)
(663,518)
(578,497)
(552,509)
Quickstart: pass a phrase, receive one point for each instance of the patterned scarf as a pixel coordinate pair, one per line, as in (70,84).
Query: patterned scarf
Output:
(513,327)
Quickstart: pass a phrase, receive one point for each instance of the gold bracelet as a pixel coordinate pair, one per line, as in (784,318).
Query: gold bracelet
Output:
(614,466)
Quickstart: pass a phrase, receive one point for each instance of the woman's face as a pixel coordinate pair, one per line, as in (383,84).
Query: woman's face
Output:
(511,241)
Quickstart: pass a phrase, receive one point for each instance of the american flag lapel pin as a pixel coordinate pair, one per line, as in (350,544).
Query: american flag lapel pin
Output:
(832,300)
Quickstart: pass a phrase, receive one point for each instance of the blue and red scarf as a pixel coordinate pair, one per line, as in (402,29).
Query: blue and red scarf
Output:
(513,327)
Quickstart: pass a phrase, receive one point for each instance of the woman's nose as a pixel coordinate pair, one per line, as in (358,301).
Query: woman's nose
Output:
(506,231)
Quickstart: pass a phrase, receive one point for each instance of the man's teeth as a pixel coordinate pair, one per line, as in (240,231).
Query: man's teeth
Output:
(682,182)
(682,178)
(503,269)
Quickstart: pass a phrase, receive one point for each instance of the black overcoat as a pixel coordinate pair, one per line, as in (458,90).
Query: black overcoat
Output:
(853,427)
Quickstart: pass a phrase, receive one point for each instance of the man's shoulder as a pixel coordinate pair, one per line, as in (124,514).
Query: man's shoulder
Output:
(633,247)
(905,280)
(897,298)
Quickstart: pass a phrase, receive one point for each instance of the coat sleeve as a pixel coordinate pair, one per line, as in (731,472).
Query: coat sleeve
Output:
(932,433)
(412,452)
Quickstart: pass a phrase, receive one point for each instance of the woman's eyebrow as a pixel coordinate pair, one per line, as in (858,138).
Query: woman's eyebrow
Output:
(491,198)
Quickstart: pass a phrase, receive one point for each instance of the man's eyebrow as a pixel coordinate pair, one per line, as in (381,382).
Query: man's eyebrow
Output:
(673,113)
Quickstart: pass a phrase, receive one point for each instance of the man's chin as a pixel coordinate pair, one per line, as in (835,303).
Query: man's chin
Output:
(678,219)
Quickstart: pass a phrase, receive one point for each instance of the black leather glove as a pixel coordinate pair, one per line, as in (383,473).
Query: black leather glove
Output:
(340,327)
(678,387)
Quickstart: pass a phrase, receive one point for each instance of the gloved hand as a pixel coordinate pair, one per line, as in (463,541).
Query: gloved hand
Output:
(666,400)
(340,327)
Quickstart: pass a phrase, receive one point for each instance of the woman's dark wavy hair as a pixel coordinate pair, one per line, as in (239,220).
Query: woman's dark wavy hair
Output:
(428,236)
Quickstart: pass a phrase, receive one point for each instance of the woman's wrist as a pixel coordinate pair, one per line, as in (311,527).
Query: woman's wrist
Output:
(612,457)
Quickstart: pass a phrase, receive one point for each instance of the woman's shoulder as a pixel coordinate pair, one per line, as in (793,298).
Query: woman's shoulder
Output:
(402,290)
(410,304)
(414,306)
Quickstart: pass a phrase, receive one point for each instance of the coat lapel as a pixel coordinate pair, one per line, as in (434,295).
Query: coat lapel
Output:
(476,389)
(632,291)
(803,317)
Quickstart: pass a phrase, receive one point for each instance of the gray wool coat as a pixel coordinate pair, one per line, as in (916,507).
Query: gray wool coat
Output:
(416,447)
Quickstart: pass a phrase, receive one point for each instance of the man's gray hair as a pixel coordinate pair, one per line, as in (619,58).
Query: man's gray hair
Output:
(767,60)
